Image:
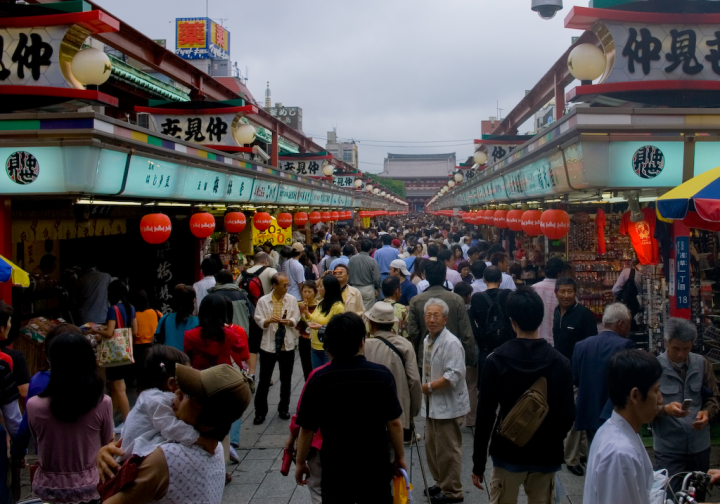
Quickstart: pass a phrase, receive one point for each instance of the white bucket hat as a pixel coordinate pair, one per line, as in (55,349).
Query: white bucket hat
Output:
(382,313)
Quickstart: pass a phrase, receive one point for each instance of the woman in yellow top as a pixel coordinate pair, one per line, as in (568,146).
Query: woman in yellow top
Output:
(331,305)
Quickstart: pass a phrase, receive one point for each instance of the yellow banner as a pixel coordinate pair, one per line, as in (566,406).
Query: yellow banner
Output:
(274,234)
(65,229)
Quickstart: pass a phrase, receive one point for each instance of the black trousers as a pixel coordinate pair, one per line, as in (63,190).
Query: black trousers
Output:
(305,360)
(267,365)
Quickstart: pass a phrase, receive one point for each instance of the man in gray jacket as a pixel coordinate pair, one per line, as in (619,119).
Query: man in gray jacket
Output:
(681,436)
(458,320)
(365,274)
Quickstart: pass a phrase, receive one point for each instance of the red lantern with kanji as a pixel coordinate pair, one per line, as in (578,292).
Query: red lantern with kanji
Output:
(314,217)
(284,220)
(335,216)
(530,222)
(500,216)
(300,219)
(262,221)
(555,224)
(235,222)
(202,224)
(155,228)
(489,218)
(514,220)
(325,216)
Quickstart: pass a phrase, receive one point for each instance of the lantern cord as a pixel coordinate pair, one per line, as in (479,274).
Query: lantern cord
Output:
(567,175)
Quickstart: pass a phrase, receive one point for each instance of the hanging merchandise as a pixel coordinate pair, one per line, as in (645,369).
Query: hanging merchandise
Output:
(284,220)
(600,224)
(642,236)
(554,223)
(314,218)
(530,222)
(500,216)
(514,220)
(262,221)
(300,218)
(235,222)
(202,224)
(325,216)
(155,228)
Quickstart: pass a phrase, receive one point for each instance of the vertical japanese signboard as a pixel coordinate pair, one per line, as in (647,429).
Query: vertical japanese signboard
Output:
(682,272)
(201,38)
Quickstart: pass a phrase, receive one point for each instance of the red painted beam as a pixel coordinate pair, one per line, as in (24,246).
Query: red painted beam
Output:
(583,18)
(94,21)
(247,109)
(543,91)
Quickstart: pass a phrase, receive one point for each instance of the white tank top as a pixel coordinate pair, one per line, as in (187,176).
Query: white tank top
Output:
(196,477)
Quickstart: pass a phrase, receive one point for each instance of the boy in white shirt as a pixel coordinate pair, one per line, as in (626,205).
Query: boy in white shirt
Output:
(619,470)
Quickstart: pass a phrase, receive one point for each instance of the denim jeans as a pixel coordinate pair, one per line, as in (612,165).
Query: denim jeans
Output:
(318,357)
(235,432)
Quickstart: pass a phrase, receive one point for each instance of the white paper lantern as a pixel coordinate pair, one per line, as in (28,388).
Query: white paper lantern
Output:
(586,62)
(480,157)
(245,134)
(91,67)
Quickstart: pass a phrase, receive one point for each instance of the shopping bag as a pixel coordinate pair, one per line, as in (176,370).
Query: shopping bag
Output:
(401,489)
(117,350)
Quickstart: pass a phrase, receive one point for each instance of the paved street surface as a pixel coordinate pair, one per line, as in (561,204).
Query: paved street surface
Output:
(257,479)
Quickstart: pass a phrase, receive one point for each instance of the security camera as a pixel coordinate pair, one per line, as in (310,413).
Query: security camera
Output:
(261,153)
(547,9)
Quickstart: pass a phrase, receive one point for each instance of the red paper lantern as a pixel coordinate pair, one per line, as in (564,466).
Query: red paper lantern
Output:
(489,218)
(530,222)
(500,216)
(284,220)
(314,217)
(555,224)
(235,222)
(335,216)
(202,224)
(262,221)
(155,228)
(325,216)
(348,214)
(301,219)
(514,220)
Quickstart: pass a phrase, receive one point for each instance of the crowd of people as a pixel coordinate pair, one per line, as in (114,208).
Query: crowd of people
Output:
(412,315)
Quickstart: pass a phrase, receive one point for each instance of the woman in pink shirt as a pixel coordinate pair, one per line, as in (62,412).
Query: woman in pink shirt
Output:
(71,420)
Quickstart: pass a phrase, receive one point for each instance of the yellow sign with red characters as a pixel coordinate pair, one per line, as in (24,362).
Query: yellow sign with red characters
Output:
(274,234)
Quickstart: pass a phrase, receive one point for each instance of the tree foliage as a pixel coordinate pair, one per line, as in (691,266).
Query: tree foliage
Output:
(396,186)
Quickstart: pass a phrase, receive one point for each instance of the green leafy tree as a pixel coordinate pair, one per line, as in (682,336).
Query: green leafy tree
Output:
(396,186)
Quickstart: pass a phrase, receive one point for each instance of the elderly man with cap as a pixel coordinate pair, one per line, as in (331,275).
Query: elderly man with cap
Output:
(210,400)
(386,347)
(408,290)
(295,271)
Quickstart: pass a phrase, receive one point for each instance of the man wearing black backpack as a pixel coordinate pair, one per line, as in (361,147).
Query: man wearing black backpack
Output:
(491,325)
(526,448)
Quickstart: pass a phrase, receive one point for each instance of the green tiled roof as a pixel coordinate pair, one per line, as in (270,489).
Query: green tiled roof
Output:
(124,72)
(285,146)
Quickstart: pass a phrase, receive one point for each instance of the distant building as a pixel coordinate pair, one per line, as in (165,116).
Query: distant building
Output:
(545,116)
(344,151)
(487,127)
(424,174)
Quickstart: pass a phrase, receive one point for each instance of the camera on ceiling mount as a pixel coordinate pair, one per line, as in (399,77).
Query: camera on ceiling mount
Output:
(547,9)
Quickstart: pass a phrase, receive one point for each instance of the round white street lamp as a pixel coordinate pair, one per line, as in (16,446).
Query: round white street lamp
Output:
(459,177)
(376,191)
(358,182)
(328,170)
(369,187)
(451,183)
(91,66)
(245,134)
(586,63)
(480,157)
(383,193)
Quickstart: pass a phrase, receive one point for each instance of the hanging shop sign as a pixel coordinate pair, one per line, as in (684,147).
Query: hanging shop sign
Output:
(648,161)
(264,191)
(40,52)
(201,38)
(25,230)
(273,233)
(347,181)
(304,196)
(498,151)
(287,194)
(682,272)
(306,163)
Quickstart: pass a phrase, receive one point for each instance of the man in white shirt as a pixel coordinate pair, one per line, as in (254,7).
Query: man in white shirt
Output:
(478,269)
(296,273)
(208,268)
(546,290)
(452,275)
(619,469)
(502,261)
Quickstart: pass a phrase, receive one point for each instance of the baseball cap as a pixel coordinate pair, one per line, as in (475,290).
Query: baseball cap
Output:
(298,246)
(222,391)
(396,243)
(400,264)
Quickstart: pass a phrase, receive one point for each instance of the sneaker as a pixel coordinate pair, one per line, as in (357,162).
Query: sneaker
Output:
(119,428)
(234,455)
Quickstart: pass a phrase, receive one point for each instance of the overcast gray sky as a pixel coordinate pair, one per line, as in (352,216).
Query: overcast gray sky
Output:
(394,71)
